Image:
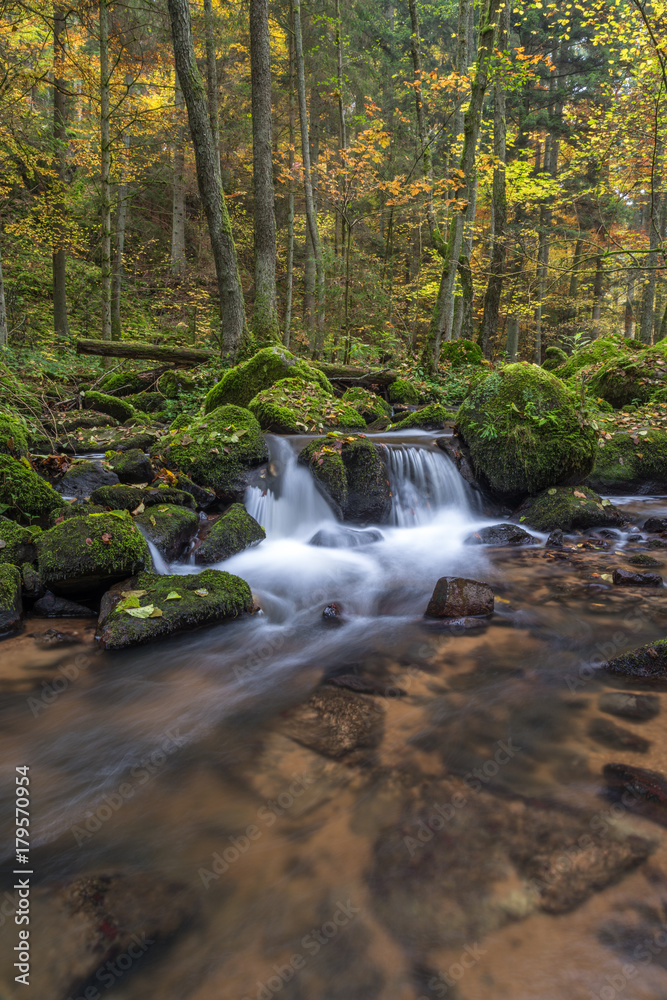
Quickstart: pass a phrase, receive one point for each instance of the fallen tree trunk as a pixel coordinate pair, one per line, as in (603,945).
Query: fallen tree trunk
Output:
(351,376)
(187,356)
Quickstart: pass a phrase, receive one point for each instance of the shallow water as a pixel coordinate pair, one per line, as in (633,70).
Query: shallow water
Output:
(346,864)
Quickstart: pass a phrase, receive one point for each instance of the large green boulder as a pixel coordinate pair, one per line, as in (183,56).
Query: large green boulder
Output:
(117,408)
(632,378)
(149,607)
(216,450)
(594,353)
(169,527)
(241,384)
(172,383)
(569,507)
(120,383)
(367,403)
(13,434)
(85,554)
(131,466)
(293,406)
(122,497)
(524,432)
(631,463)
(25,496)
(429,418)
(234,531)
(17,544)
(553,357)
(11,604)
(349,471)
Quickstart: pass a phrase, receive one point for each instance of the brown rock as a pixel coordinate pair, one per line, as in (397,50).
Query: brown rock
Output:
(624,578)
(335,721)
(456,597)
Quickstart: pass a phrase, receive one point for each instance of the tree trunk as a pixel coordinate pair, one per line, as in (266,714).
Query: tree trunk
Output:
(105,146)
(424,148)
(513,337)
(598,288)
(3,310)
(232,311)
(655,242)
(121,220)
(629,312)
(212,81)
(133,349)
(59,263)
(265,313)
(178,185)
(290,200)
(342,131)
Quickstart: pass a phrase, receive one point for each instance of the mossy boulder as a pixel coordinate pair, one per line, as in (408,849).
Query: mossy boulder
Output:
(169,527)
(553,357)
(403,391)
(646,663)
(79,509)
(85,554)
(234,531)
(177,603)
(149,402)
(293,406)
(173,383)
(370,406)
(84,476)
(131,466)
(569,507)
(126,441)
(128,498)
(83,441)
(241,384)
(13,434)
(631,463)
(632,378)
(17,544)
(429,418)
(461,352)
(597,351)
(524,432)
(117,408)
(216,450)
(24,494)
(351,474)
(11,604)
(121,384)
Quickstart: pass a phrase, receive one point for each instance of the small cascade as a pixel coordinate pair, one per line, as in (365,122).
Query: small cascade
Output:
(422,483)
(160,564)
(290,505)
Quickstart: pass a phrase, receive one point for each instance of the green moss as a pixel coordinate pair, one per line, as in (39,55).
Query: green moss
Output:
(634,378)
(13,434)
(370,406)
(117,408)
(125,441)
(90,551)
(222,597)
(131,466)
(172,383)
(121,384)
(429,418)
(10,597)
(150,402)
(79,509)
(231,533)
(602,349)
(293,406)
(324,458)
(524,432)
(86,421)
(169,527)
(122,497)
(17,544)
(215,450)
(553,357)
(622,462)
(26,495)
(402,391)
(351,474)
(241,384)
(459,353)
(568,507)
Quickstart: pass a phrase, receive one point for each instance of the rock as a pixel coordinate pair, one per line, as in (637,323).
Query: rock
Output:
(240,384)
(334,722)
(369,405)
(173,383)
(403,391)
(644,560)
(84,554)
(85,420)
(638,789)
(364,685)
(33,587)
(24,494)
(333,614)
(11,605)
(207,598)
(568,507)
(626,466)
(632,378)
(350,473)
(555,539)
(203,498)
(169,527)
(121,383)
(649,661)
(624,578)
(457,597)
(345,538)
(607,733)
(639,707)
(235,531)
(84,476)
(79,509)
(53,637)
(144,440)
(456,625)
(601,349)
(293,406)
(13,433)
(655,524)
(429,418)
(17,544)
(130,497)
(216,450)
(132,466)
(523,432)
(112,405)
(50,606)
(500,534)
(462,352)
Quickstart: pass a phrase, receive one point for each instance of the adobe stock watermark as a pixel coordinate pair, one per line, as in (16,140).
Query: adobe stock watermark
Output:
(643,954)
(141,773)
(114,970)
(440,984)
(312,943)
(51,690)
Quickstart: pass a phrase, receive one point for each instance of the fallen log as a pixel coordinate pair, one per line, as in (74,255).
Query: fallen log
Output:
(186,356)
(351,376)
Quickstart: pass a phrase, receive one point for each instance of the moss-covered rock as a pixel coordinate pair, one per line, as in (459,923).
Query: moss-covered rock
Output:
(85,420)
(648,662)
(179,603)
(553,357)
(231,533)
(172,383)
(429,418)
(403,391)
(638,464)
(83,441)
(601,350)
(293,406)
(17,544)
(84,476)
(149,402)
(26,496)
(84,554)
(126,441)
(123,497)
(11,604)
(79,509)
(525,433)
(241,384)
(569,507)
(120,383)
(370,406)
(169,527)
(461,352)
(352,476)
(13,434)
(216,450)
(632,378)
(131,466)
(117,408)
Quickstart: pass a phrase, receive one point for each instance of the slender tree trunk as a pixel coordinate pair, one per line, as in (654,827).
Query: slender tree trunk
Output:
(424,148)
(290,200)
(105,144)
(60,320)
(513,337)
(598,287)
(119,249)
(178,185)
(342,130)
(232,311)
(3,310)
(629,316)
(265,314)
(212,80)
(655,242)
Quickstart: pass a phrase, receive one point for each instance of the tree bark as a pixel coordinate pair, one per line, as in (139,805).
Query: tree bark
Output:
(119,249)
(212,81)
(232,311)
(105,147)
(290,200)
(3,310)
(513,337)
(59,263)
(133,349)
(178,185)
(651,258)
(424,148)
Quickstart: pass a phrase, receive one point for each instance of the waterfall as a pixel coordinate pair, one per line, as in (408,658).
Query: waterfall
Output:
(422,482)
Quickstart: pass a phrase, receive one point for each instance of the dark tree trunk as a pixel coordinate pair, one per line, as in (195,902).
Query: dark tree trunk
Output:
(133,349)
(60,320)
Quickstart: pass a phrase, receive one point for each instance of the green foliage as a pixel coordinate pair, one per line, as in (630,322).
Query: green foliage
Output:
(461,352)
(13,434)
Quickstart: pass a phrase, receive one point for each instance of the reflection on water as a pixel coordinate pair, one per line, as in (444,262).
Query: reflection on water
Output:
(468,852)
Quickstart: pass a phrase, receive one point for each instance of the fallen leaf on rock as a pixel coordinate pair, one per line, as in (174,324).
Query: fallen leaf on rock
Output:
(140,509)
(89,541)
(153,521)
(202,592)
(577,493)
(173,595)
(148,611)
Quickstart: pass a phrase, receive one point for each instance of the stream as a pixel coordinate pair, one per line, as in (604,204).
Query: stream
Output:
(399,873)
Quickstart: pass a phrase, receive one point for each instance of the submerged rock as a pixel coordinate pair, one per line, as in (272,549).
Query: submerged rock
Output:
(50,606)
(169,527)
(639,790)
(335,721)
(235,531)
(84,476)
(457,597)
(607,733)
(11,604)
(500,534)
(655,524)
(345,538)
(569,507)
(649,661)
(150,607)
(638,707)
(624,578)
(350,473)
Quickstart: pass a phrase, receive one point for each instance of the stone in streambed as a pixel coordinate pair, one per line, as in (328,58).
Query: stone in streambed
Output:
(24,494)
(500,534)
(638,789)
(624,578)
(50,606)
(85,475)
(638,707)
(458,597)
(569,507)
(11,604)
(644,561)
(647,662)
(169,527)
(555,539)
(607,733)
(130,497)
(168,605)
(349,471)
(235,531)
(132,466)
(655,524)
(17,544)
(335,721)
(333,614)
